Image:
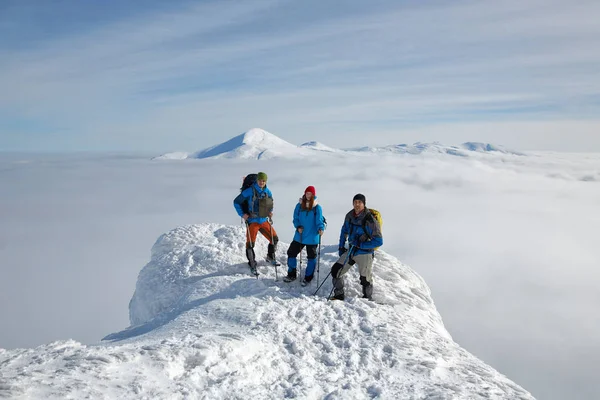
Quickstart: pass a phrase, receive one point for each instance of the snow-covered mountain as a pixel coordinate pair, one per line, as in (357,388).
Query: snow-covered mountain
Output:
(256,143)
(203,328)
(260,144)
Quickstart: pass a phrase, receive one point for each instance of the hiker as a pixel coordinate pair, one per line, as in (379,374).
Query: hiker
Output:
(310,224)
(363,233)
(255,205)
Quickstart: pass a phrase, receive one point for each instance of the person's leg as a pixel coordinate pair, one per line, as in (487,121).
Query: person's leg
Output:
(365,269)
(252,230)
(292,253)
(267,230)
(338,270)
(311,255)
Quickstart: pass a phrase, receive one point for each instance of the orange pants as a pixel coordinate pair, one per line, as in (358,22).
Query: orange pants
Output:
(265,229)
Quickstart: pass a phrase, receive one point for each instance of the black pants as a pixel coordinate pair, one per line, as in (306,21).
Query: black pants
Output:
(296,247)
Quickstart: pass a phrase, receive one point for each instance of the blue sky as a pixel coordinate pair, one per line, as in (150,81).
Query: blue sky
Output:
(167,76)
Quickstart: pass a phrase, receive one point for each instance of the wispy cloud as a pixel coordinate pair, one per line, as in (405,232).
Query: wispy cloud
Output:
(294,67)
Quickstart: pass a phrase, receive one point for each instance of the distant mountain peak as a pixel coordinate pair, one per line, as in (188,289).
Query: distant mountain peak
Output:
(257,137)
(255,143)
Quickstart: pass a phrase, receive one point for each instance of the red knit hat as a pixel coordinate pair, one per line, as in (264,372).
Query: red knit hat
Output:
(311,189)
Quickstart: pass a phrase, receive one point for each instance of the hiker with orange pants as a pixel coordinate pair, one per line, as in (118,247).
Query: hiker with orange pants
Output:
(255,206)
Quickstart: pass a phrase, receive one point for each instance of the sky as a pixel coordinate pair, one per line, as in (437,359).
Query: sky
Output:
(207,328)
(184,75)
(506,243)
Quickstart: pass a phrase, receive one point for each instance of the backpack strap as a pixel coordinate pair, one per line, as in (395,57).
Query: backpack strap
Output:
(364,222)
(251,211)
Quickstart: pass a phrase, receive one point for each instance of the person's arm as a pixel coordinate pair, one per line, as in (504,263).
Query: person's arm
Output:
(319,218)
(237,204)
(372,236)
(296,219)
(241,199)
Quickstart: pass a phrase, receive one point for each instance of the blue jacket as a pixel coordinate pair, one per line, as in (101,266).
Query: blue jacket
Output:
(251,196)
(362,231)
(311,220)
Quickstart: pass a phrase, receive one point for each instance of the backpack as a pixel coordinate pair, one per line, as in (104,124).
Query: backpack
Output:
(377,216)
(248,181)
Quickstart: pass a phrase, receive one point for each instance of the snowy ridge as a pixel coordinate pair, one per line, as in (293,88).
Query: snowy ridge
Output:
(465,150)
(207,329)
(260,144)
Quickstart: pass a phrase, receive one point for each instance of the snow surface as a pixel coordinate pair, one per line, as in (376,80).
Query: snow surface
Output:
(260,144)
(205,329)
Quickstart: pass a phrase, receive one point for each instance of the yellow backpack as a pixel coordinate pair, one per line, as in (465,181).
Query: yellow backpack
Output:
(377,215)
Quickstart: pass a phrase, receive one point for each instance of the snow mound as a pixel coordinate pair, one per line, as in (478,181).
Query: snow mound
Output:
(254,144)
(204,328)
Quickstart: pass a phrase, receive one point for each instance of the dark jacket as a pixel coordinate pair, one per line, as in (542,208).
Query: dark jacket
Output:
(362,231)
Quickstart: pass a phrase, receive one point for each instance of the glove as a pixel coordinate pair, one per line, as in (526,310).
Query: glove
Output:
(341,251)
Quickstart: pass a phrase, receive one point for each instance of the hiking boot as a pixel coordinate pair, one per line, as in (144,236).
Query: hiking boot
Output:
(337,297)
(291,276)
(270,257)
(306,280)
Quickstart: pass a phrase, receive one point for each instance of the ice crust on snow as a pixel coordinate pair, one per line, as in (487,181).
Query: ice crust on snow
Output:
(202,327)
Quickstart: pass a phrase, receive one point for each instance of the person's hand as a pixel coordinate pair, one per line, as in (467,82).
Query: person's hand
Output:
(320,232)
(245,217)
(271,214)
(300,229)
(341,251)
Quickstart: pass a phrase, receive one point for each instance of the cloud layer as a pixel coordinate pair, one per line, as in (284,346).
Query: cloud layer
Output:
(506,243)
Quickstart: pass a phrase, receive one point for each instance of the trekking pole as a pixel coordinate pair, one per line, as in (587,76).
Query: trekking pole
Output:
(318,259)
(324,280)
(345,261)
(300,256)
(271,230)
(326,276)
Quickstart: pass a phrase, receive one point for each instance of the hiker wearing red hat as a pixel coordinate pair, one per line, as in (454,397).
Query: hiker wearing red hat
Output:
(310,224)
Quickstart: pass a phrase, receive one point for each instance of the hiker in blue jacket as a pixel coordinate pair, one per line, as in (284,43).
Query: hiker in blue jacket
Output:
(310,224)
(363,233)
(255,206)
